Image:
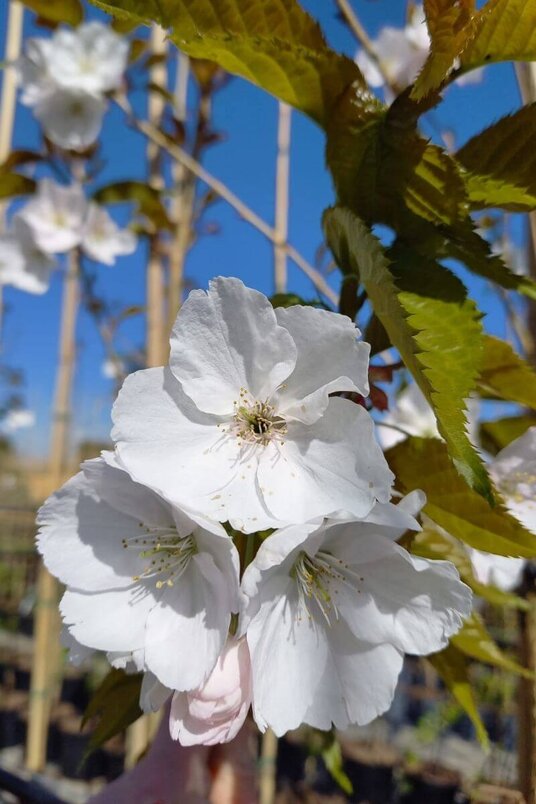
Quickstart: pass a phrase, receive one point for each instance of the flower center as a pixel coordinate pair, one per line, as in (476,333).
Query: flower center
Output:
(256,422)
(520,486)
(318,578)
(167,554)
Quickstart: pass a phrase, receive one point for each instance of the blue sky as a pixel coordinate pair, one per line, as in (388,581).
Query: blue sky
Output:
(245,161)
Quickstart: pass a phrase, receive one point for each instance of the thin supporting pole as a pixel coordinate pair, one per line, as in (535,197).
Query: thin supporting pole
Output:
(221,189)
(267,771)
(15,19)
(183,203)
(155,344)
(47,623)
(281,197)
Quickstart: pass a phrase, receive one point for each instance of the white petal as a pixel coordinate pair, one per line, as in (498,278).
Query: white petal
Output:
(153,694)
(103,240)
(329,359)
(187,629)
(165,442)
(358,683)
(55,215)
(228,339)
(514,471)
(80,535)
(109,621)
(413,603)
(71,119)
(332,465)
(289,653)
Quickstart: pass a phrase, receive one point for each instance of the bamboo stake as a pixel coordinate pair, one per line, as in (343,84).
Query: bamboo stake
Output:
(267,772)
(282,197)
(47,622)
(15,19)
(221,189)
(183,202)
(155,272)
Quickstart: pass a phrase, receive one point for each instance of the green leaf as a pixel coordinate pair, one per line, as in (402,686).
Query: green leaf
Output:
(496,435)
(291,299)
(475,641)
(332,756)
(503,30)
(505,375)
(447,21)
(273,44)
(452,667)
(68,11)
(116,704)
(428,318)
(424,463)
(501,163)
(13,184)
(439,545)
(147,198)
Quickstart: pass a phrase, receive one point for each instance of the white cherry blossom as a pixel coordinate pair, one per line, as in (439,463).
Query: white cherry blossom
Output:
(402,53)
(70,118)
(102,239)
(22,263)
(411,413)
(147,583)
(56,215)
(330,608)
(514,472)
(91,58)
(501,571)
(242,425)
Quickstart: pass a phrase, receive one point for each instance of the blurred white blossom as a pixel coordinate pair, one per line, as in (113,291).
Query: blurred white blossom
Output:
(401,53)
(70,118)
(102,239)
(65,78)
(23,264)
(56,214)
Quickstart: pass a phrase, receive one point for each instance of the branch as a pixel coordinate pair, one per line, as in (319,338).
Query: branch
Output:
(221,189)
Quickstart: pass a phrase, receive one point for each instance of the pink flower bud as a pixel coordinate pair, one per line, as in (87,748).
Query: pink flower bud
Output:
(214,712)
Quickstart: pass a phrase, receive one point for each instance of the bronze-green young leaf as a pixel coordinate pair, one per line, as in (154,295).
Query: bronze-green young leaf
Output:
(476,642)
(496,435)
(116,705)
(68,11)
(147,198)
(505,375)
(424,463)
(447,25)
(272,43)
(501,163)
(503,30)
(12,184)
(429,319)
(453,668)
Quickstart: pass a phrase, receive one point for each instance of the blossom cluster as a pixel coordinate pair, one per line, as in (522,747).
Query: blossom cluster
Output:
(513,471)
(66,79)
(57,219)
(239,545)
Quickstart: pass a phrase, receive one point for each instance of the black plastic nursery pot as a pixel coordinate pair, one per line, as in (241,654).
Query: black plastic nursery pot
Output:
(12,724)
(431,784)
(73,747)
(371,770)
(74,691)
